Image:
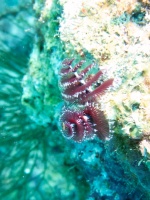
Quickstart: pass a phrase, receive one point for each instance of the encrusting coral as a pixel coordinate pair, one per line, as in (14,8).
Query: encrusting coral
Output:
(116,36)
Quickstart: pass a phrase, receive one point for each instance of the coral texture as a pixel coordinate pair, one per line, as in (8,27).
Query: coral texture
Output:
(115,35)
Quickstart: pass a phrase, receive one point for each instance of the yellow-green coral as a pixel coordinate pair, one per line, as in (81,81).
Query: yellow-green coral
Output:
(91,26)
(116,33)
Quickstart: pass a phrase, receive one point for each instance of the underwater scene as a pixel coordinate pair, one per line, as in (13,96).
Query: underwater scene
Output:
(75,100)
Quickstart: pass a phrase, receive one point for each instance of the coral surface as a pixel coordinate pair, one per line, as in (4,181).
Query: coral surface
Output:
(115,35)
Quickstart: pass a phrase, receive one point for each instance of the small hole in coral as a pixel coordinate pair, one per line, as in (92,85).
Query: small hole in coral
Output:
(135,106)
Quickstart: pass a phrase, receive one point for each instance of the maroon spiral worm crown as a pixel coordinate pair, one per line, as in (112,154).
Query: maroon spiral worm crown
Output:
(81,116)
(75,88)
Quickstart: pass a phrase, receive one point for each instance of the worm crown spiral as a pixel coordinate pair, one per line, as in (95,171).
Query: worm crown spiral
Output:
(82,89)
(76,88)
